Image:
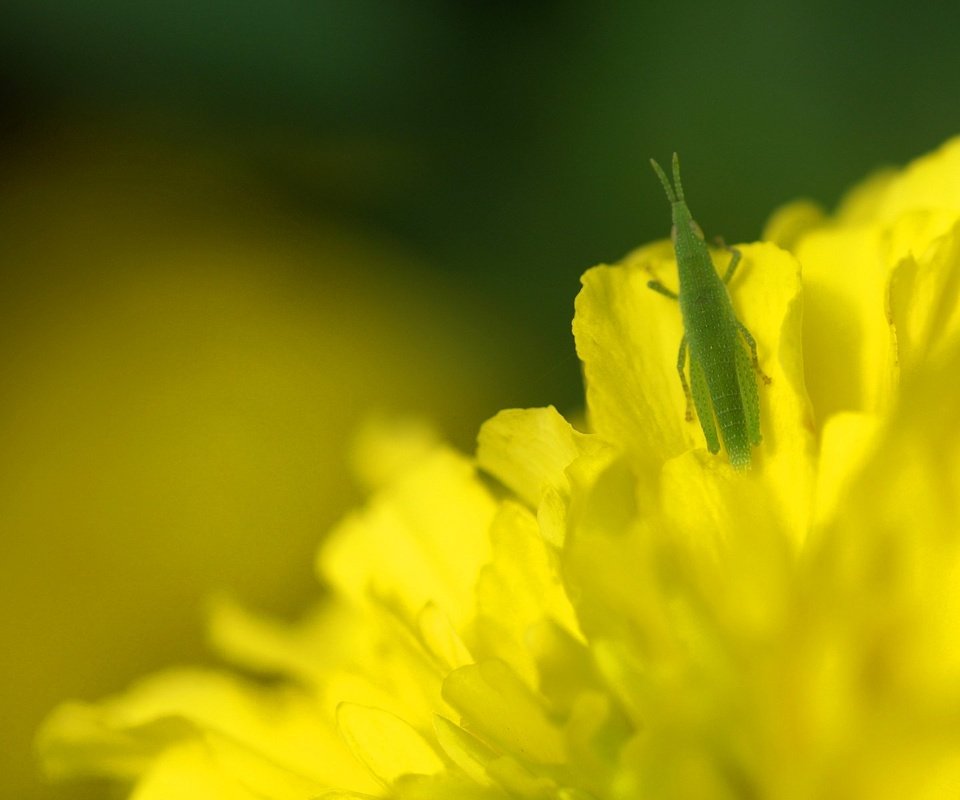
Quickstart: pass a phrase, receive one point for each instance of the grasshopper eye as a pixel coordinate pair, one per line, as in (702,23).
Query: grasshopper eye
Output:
(697,230)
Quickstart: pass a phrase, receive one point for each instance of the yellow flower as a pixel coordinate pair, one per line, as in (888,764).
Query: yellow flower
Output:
(618,614)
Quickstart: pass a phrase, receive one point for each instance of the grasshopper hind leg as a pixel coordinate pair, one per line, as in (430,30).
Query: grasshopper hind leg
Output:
(704,406)
(681,371)
(752,344)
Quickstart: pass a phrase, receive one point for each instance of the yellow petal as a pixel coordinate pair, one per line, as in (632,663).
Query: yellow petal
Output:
(519,781)
(922,298)
(884,583)
(384,448)
(845,445)
(307,649)
(529,451)
(347,654)
(912,482)
(464,749)
(441,640)
(860,204)
(723,530)
(627,338)
(254,734)
(444,787)
(187,771)
(862,268)
(77,740)
(790,222)
(497,705)
(388,746)
(520,588)
(930,182)
(611,566)
(422,539)
(846,336)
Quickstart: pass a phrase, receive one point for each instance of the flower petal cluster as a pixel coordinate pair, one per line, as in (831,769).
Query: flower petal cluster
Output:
(617,613)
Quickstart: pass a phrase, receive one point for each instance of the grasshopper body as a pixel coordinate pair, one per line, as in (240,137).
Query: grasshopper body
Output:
(722,353)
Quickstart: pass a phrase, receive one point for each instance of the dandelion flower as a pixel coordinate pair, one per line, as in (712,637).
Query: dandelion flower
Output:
(617,613)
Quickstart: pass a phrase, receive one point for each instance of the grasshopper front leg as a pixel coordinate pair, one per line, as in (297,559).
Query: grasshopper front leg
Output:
(661,289)
(734,262)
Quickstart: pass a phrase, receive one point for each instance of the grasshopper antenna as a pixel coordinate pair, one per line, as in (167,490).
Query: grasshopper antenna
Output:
(676,177)
(671,196)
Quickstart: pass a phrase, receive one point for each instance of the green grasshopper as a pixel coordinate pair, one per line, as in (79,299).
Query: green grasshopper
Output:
(724,389)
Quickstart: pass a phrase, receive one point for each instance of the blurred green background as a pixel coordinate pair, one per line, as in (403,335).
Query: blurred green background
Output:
(229,230)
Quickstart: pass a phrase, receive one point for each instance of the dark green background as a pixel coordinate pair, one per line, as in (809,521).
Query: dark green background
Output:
(504,144)
(507,142)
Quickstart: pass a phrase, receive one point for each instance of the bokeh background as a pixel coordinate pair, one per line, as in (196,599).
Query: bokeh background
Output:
(232,232)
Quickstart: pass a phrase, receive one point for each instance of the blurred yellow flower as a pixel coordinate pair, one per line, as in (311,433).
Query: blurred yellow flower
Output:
(618,614)
(184,359)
